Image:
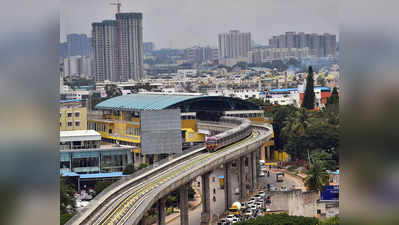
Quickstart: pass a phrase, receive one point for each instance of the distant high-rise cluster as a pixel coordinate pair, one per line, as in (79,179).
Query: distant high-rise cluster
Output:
(149,47)
(110,63)
(320,45)
(198,54)
(77,66)
(76,44)
(234,45)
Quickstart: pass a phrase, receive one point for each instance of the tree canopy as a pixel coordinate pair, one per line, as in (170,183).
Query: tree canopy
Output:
(309,97)
(281,219)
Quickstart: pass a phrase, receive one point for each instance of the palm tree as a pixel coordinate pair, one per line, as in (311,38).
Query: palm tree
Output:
(317,177)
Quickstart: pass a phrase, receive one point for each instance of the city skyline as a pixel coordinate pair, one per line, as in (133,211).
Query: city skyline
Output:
(263,19)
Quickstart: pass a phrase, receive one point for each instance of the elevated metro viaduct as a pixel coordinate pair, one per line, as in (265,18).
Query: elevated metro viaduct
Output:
(119,120)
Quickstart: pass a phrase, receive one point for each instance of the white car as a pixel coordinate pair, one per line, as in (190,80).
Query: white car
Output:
(258,198)
(248,212)
(262,194)
(283,188)
(235,220)
(254,208)
(262,174)
(258,205)
(223,221)
(230,218)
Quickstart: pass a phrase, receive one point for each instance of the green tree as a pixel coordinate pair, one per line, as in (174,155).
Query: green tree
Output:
(309,97)
(112,90)
(142,166)
(66,196)
(129,169)
(280,114)
(334,98)
(101,185)
(67,200)
(317,176)
(334,220)
(281,219)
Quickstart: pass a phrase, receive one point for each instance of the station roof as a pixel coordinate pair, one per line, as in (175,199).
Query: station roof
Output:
(143,101)
(93,175)
(187,103)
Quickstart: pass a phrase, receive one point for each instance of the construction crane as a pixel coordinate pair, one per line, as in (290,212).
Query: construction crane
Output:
(118,21)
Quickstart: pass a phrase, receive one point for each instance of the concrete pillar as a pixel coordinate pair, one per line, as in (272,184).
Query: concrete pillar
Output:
(262,152)
(254,180)
(161,211)
(250,172)
(268,153)
(206,200)
(228,192)
(183,203)
(243,183)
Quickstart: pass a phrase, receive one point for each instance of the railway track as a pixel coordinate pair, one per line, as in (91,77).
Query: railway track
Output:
(130,202)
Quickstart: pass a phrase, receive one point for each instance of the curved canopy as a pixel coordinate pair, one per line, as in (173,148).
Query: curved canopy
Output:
(186,103)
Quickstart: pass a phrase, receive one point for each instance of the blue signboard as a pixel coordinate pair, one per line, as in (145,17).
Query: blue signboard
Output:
(330,193)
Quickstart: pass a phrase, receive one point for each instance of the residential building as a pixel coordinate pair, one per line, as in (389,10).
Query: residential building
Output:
(112,64)
(148,47)
(200,55)
(73,116)
(78,65)
(319,45)
(234,45)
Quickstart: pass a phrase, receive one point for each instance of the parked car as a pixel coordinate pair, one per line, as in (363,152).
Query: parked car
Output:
(258,197)
(262,194)
(235,220)
(261,174)
(223,221)
(283,188)
(230,218)
(248,212)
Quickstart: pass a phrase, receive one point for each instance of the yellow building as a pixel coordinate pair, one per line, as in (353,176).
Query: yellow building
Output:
(120,117)
(73,118)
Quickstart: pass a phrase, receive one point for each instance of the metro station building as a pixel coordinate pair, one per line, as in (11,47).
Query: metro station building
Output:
(171,119)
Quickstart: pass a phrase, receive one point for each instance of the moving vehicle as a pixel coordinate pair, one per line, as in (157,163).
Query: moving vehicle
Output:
(223,221)
(279,176)
(230,218)
(230,136)
(258,197)
(248,212)
(235,220)
(235,209)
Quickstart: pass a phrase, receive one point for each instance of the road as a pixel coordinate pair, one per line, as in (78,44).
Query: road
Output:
(218,207)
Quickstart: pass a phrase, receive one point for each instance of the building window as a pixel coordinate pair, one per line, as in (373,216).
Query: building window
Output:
(77,114)
(69,124)
(77,123)
(69,114)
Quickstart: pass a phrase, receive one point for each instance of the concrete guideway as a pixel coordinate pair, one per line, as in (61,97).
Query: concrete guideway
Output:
(129,207)
(195,169)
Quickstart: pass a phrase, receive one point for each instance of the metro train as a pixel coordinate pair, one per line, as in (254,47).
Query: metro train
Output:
(230,136)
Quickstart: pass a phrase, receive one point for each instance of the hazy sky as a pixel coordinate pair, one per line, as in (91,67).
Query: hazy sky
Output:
(184,23)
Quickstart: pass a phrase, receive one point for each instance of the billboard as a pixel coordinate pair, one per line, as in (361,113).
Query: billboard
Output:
(330,193)
(161,132)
